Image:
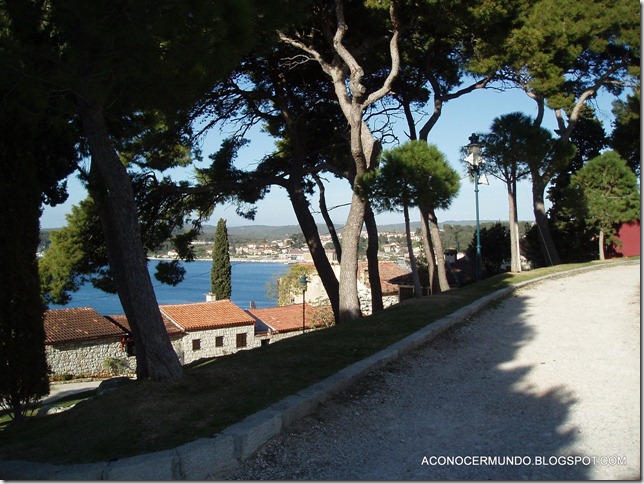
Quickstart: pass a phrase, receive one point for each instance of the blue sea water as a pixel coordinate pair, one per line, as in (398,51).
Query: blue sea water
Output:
(249,280)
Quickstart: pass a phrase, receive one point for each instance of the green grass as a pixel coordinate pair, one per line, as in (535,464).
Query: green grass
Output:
(144,417)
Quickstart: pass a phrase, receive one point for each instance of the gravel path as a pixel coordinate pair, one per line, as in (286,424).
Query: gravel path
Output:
(547,375)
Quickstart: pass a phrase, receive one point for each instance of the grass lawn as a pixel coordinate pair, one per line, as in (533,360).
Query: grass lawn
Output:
(144,417)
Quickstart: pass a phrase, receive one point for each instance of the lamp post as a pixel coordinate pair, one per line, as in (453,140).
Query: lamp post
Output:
(476,165)
(304,282)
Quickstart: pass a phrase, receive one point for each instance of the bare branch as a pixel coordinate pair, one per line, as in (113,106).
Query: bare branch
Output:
(314,54)
(394,52)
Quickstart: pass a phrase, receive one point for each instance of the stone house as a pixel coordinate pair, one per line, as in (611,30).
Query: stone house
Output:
(316,294)
(174,332)
(79,342)
(210,329)
(82,343)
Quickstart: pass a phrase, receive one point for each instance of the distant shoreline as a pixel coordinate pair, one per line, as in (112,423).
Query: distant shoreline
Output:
(232,259)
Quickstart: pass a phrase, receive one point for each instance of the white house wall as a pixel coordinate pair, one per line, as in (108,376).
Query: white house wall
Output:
(207,343)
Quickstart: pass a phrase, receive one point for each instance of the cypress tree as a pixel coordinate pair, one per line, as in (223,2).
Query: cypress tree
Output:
(23,364)
(220,274)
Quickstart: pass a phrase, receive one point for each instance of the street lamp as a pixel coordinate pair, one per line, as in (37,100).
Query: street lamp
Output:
(303,282)
(476,166)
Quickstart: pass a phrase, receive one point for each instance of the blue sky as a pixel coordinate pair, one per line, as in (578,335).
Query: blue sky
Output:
(461,117)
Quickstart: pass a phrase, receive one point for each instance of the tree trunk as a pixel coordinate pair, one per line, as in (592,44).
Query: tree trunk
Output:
(349,300)
(347,75)
(318,254)
(365,151)
(372,260)
(515,250)
(602,255)
(327,219)
(435,236)
(112,190)
(548,249)
(418,290)
(429,252)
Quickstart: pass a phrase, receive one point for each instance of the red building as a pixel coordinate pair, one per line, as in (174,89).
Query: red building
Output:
(630,236)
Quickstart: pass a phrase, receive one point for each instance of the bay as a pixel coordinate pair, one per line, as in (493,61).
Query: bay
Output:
(248,279)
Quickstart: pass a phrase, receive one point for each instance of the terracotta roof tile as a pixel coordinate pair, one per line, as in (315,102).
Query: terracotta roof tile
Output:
(285,318)
(77,324)
(207,315)
(121,320)
(387,270)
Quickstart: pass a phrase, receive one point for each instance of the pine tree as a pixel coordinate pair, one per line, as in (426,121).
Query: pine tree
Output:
(23,364)
(220,274)
(611,193)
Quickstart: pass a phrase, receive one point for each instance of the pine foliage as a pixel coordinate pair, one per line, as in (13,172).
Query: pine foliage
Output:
(610,191)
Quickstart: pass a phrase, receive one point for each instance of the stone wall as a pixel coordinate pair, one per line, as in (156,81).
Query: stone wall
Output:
(206,347)
(86,359)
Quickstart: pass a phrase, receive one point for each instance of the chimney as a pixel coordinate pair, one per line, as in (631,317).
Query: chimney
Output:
(210,297)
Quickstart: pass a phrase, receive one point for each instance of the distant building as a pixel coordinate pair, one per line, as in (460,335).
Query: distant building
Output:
(629,234)
(316,293)
(277,323)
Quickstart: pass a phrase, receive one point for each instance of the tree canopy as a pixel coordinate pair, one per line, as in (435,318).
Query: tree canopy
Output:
(611,192)
(220,273)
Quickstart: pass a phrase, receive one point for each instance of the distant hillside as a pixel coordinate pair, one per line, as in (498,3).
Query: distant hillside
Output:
(278,232)
(260,232)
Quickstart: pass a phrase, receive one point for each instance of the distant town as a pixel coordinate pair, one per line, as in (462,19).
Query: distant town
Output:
(286,243)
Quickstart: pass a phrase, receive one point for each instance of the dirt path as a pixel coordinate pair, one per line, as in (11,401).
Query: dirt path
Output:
(548,375)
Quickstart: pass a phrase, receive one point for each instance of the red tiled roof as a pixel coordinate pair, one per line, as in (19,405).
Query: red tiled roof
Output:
(121,319)
(387,270)
(285,318)
(77,324)
(207,315)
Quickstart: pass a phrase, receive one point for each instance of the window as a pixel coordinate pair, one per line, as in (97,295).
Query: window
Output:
(196,344)
(241,340)
(219,341)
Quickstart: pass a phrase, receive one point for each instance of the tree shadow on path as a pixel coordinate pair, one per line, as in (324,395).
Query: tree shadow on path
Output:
(477,417)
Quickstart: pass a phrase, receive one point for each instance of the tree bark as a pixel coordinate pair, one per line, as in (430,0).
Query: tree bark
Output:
(601,244)
(418,290)
(515,249)
(548,249)
(429,252)
(318,254)
(349,301)
(112,191)
(372,260)
(327,219)
(443,283)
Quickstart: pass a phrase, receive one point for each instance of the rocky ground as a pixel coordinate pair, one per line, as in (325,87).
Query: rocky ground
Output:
(544,385)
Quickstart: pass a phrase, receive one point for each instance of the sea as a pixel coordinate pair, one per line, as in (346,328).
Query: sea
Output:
(249,282)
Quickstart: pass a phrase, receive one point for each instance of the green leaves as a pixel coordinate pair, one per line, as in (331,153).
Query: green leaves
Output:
(413,174)
(611,191)
(221,272)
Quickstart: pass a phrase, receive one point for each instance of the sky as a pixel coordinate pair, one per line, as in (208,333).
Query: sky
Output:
(472,113)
